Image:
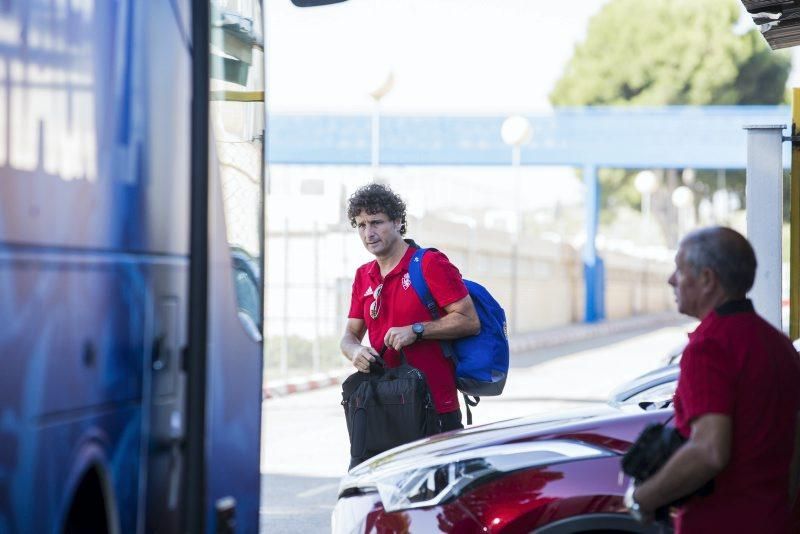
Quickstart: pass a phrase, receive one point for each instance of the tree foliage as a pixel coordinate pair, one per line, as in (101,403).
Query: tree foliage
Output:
(671,52)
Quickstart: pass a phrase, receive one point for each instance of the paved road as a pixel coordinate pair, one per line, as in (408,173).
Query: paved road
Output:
(305,440)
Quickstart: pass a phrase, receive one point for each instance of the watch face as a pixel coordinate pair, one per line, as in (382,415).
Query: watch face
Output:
(417,328)
(631,504)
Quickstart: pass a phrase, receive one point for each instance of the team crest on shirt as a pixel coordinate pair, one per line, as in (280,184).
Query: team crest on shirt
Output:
(406,281)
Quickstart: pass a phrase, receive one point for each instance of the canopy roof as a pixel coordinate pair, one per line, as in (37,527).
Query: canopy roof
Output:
(778,20)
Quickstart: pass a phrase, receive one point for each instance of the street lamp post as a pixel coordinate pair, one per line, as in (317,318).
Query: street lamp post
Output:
(516,131)
(646,182)
(377,94)
(683,200)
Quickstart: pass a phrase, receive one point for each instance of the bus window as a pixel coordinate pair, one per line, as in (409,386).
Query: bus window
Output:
(237,119)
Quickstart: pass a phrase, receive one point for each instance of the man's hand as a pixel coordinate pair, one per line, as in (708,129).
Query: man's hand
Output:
(398,337)
(362,357)
(642,514)
(700,459)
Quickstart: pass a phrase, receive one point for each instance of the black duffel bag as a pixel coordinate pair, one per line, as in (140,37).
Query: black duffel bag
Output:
(386,408)
(651,450)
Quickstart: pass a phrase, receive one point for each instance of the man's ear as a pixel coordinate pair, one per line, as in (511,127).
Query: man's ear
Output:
(708,279)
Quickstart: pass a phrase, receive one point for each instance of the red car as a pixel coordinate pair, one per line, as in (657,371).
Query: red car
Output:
(555,473)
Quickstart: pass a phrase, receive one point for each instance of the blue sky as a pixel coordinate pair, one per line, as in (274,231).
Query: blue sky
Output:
(447,56)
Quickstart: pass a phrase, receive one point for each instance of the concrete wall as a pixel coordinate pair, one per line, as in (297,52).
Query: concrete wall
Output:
(550,274)
(310,274)
(636,285)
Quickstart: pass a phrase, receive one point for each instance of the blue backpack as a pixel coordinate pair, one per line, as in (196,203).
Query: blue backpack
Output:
(481,360)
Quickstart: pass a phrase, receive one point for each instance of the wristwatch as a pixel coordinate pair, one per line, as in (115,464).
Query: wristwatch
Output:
(419,329)
(631,504)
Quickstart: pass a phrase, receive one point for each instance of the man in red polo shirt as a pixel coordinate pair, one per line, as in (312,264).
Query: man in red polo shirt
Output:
(385,304)
(737,400)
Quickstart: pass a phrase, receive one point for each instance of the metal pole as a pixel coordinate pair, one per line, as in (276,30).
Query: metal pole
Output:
(722,185)
(341,292)
(284,363)
(376,137)
(315,350)
(794,222)
(195,473)
(516,157)
(764,190)
(515,161)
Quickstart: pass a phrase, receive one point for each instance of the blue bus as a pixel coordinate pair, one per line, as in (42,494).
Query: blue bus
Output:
(131,253)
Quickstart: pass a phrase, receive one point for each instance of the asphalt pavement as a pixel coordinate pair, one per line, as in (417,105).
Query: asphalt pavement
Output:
(292,504)
(305,444)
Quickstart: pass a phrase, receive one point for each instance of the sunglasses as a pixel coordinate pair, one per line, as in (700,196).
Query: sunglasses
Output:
(375,307)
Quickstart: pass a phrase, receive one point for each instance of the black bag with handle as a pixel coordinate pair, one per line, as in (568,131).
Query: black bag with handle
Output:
(386,408)
(651,450)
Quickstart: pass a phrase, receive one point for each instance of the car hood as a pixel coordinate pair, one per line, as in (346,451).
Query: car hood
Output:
(648,381)
(610,428)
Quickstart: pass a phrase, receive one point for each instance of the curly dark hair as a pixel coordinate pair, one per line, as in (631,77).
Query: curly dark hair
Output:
(377,198)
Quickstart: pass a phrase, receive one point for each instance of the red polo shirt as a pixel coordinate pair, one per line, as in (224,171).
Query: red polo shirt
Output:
(738,365)
(400,306)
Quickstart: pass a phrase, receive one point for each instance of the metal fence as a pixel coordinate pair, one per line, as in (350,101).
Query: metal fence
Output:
(312,255)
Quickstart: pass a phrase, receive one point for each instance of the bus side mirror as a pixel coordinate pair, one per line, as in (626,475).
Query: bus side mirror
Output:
(311,3)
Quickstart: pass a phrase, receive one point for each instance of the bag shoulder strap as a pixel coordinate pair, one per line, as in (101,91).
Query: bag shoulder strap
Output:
(419,284)
(470,402)
(424,293)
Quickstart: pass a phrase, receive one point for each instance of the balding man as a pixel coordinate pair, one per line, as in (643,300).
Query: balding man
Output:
(737,400)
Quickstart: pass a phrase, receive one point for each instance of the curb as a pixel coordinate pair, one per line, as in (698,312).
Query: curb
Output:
(520,343)
(281,388)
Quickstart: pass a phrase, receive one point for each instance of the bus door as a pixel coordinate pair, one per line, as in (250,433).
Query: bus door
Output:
(226,290)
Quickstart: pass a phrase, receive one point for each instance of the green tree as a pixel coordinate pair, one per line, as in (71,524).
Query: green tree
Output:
(670,52)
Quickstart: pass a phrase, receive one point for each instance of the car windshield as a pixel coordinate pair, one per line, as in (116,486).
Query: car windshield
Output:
(654,398)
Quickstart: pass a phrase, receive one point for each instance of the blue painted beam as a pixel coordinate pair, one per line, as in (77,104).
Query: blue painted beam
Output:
(709,137)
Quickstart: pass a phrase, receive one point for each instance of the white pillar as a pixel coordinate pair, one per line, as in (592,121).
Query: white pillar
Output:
(764,192)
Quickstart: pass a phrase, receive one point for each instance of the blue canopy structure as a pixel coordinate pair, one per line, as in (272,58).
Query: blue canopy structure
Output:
(708,137)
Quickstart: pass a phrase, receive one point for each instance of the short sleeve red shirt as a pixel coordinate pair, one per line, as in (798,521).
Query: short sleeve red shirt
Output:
(399,305)
(737,364)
